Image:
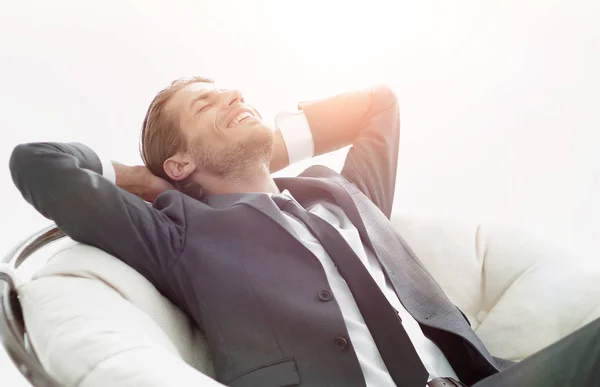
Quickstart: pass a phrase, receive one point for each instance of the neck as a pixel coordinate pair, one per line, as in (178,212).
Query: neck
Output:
(252,179)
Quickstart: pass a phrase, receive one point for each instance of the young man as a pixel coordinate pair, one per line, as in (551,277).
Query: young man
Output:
(294,281)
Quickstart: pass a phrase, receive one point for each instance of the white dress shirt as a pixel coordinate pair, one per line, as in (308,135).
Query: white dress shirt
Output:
(298,138)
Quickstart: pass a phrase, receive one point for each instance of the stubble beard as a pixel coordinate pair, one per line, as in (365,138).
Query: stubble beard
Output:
(239,158)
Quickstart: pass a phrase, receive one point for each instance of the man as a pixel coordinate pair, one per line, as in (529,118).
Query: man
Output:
(294,281)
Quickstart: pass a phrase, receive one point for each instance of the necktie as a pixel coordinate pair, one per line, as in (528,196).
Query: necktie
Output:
(398,353)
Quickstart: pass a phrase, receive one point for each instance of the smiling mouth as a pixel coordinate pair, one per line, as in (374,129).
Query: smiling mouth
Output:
(241,117)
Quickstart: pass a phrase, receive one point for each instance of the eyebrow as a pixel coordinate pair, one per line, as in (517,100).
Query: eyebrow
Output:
(200,97)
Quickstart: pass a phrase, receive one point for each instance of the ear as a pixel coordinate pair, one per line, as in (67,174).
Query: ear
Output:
(179,166)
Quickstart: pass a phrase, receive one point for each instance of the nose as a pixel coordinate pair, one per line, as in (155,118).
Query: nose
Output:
(232,97)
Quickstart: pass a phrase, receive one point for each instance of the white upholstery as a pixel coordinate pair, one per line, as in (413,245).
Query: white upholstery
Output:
(96,322)
(520,293)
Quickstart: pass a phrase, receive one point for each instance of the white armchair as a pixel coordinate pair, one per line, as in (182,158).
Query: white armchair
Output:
(93,321)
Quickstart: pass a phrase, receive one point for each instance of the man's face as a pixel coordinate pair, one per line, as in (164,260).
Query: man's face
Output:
(224,134)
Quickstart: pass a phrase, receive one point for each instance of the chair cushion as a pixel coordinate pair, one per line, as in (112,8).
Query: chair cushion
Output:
(96,322)
(520,292)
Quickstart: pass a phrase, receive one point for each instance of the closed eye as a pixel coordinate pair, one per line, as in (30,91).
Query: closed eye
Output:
(203,108)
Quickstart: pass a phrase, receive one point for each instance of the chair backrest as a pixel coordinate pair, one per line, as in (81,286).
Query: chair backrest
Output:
(13,333)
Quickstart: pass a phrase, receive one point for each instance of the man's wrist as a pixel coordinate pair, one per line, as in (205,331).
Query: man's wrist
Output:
(129,178)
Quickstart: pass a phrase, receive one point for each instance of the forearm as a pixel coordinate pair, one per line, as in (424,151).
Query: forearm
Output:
(130,178)
(327,125)
(139,181)
(336,121)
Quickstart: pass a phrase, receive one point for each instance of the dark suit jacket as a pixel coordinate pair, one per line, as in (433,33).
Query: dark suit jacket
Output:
(232,263)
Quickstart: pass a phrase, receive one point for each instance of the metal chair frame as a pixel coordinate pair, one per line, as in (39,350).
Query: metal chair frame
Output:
(13,333)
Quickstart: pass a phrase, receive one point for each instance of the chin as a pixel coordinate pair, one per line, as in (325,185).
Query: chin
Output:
(253,144)
(251,149)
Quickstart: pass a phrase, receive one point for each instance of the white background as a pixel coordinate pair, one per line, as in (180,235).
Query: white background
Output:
(500,101)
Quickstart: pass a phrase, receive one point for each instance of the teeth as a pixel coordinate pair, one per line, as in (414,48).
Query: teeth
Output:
(240,117)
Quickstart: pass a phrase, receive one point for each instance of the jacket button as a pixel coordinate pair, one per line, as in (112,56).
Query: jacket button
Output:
(325,295)
(341,343)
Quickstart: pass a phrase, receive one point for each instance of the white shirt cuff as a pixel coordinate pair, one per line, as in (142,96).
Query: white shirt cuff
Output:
(296,134)
(108,171)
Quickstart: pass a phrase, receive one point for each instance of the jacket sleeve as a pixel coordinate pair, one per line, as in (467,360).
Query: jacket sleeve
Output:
(64,183)
(371,118)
